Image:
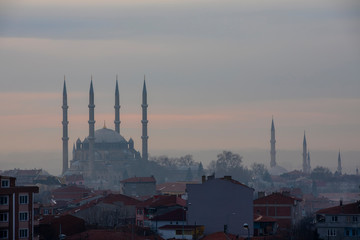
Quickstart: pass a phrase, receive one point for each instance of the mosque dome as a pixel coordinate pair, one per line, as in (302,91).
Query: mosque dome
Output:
(108,136)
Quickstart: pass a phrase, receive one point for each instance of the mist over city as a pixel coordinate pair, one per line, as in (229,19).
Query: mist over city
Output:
(130,119)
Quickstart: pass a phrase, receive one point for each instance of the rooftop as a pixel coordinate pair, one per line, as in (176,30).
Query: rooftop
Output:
(276,198)
(139,180)
(352,208)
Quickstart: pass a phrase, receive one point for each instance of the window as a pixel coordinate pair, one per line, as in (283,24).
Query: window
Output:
(355,218)
(334,218)
(3,217)
(4,200)
(23,199)
(23,233)
(3,233)
(23,216)
(331,232)
(5,183)
(46,211)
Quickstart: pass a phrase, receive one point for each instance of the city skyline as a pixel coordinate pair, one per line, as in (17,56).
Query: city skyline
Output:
(216,73)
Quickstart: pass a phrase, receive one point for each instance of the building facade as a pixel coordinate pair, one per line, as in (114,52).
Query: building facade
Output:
(286,210)
(340,222)
(221,204)
(16,210)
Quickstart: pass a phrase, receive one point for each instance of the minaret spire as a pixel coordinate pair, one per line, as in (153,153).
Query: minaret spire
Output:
(117,107)
(272,145)
(308,162)
(144,122)
(339,168)
(65,137)
(305,166)
(91,122)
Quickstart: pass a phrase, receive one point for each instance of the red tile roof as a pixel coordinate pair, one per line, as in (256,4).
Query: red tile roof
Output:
(234,181)
(175,187)
(176,227)
(260,218)
(72,189)
(221,236)
(175,215)
(113,198)
(352,208)
(276,198)
(163,201)
(106,234)
(139,179)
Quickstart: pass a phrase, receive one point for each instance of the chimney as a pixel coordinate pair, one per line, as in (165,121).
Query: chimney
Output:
(261,194)
(203,178)
(211,177)
(227,177)
(341,202)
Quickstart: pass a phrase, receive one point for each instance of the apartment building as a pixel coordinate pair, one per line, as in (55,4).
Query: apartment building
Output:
(16,209)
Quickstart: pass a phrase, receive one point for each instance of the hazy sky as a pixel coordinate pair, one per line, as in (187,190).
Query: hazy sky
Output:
(217,71)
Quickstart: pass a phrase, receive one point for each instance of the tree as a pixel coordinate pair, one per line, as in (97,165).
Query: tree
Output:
(321,173)
(227,161)
(189,175)
(200,171)
(185,161)
(259,171)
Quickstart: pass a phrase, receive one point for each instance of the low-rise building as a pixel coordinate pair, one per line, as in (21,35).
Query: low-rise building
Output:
(139,186)
(16,209)
(340,222)
(150,212)
(285,209)
(221,204)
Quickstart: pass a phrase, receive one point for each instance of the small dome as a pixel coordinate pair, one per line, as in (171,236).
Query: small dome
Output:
(108,136)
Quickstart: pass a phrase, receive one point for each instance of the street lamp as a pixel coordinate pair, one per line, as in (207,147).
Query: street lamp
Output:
(246,226)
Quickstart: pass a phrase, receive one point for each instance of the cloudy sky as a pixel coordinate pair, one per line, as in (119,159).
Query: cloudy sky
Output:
(216,72)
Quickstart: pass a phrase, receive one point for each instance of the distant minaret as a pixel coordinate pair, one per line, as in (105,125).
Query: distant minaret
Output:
(144,122)
(272,145)
(65,137)
(308,162)
(91,122)
(305,166)
(117,108)
(339,168)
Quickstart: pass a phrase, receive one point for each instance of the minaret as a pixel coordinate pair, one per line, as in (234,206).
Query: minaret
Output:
(339,168)
(117,107)
(305,166)
(144,122)
(272,145)
(91,122)
(65,137)
(308,162)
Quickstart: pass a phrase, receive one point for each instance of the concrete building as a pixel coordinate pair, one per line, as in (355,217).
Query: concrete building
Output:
(340,222)
(139,186)
(221,204)
(16,209)
(285,209)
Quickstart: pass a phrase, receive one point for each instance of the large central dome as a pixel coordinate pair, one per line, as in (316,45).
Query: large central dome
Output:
(106,135)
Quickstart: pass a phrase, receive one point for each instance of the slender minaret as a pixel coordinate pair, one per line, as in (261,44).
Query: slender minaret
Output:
(117,107)
(308,162)
(305,166)
(91,129)
(339,168)
(65,137)
(272,145)
(144,122)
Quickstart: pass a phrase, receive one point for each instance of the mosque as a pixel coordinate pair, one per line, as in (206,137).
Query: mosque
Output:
(104,156)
